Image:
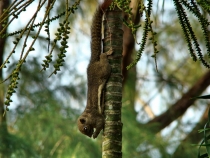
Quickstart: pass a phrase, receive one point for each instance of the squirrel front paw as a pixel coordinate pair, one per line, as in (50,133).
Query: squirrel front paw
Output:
(109,52)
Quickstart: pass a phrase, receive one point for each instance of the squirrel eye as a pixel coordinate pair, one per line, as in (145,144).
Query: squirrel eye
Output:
(85,128)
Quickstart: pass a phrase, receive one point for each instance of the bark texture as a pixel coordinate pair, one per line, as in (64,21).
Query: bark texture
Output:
(113,36)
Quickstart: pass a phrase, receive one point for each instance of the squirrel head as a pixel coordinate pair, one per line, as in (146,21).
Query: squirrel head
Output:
(84,126)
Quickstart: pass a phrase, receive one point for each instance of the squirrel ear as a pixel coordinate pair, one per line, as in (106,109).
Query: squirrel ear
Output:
(82,120)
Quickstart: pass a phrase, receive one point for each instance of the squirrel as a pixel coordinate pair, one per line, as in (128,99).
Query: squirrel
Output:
(98,72)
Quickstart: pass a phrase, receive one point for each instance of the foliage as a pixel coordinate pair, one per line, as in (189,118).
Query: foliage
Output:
(18,146)
(206,139)
(147,28)
(190,37)
(204,4)
(62,34)
(43,124)
(42,111)
(12,12)
(46,121)
(187,29)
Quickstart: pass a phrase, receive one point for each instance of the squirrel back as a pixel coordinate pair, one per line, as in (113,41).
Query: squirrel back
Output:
(98,72)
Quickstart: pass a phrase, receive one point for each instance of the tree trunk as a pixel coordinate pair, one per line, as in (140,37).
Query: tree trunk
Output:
(113,39)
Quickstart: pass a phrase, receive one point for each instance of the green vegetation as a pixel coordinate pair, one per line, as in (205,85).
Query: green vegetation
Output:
(160,118)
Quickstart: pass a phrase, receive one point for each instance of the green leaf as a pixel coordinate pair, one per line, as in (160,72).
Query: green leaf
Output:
(206,139)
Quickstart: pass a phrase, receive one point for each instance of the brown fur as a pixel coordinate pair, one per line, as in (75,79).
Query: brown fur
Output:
(98,72)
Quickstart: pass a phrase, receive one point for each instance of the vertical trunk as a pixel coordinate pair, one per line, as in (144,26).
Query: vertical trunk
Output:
(113,38)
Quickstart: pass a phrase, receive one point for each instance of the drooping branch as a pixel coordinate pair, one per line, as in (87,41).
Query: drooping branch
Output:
(3,4)
(129,41)
(3,122)
(180,107)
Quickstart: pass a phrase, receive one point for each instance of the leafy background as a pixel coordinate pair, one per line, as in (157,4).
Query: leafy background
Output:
(42,117)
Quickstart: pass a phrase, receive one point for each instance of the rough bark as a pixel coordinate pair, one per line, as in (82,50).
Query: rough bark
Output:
(113,36)
(180,107)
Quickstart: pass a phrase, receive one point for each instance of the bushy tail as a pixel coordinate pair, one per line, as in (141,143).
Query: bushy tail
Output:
(96,35)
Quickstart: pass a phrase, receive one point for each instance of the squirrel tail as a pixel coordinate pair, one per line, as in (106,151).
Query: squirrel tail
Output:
(96,35)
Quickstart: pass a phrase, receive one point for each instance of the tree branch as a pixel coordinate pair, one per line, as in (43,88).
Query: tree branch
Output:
(179,108)
(3,5)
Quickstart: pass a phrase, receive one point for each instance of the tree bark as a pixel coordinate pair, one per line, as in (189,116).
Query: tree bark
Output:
(180,107)
(113,36)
